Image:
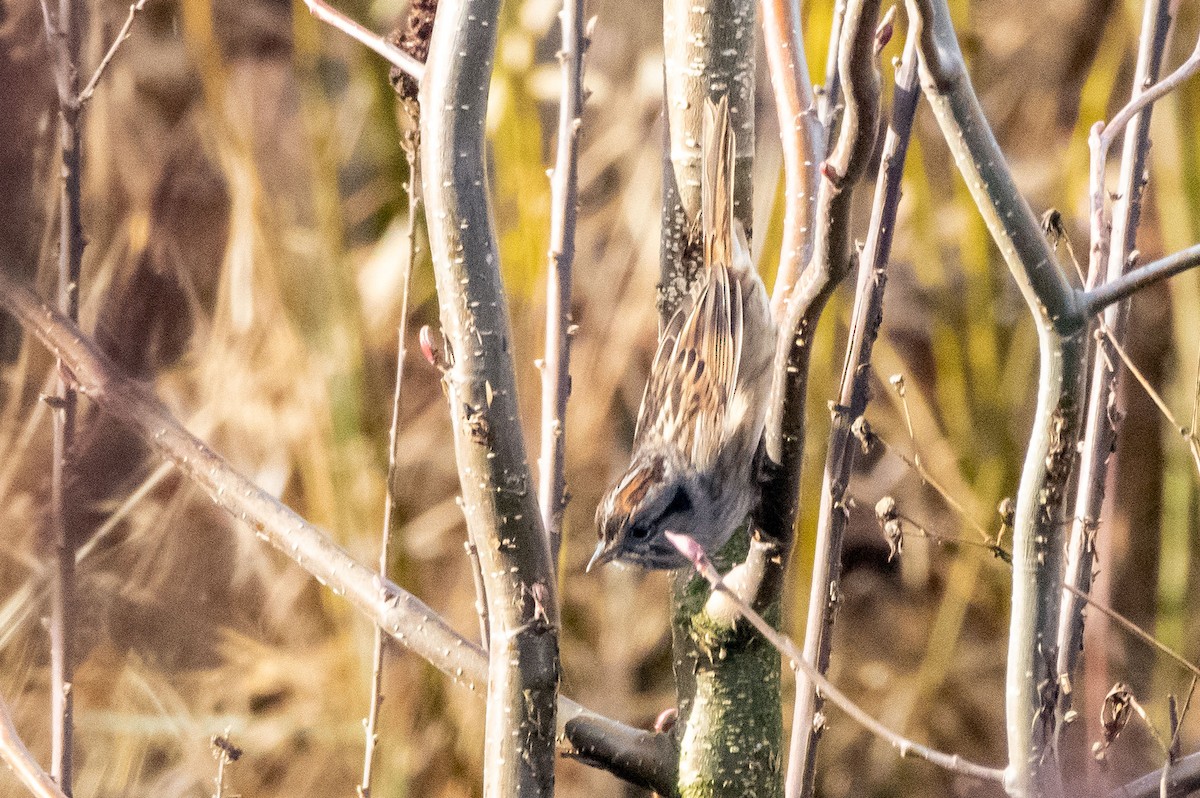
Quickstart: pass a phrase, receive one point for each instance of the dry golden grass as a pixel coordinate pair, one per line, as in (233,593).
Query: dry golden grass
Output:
(245,212)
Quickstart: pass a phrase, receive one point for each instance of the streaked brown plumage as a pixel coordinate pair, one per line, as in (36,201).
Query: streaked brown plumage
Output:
(701,418)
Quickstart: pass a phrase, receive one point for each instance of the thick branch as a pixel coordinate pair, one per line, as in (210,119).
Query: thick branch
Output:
(402,615)
(1009,219)
(785,646)
(852,403)
(1038,522)
(708,53)
(497,491)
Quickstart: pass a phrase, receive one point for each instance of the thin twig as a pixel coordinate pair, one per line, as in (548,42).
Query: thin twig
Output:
(380,650)
(852,404)
(641,757)
(224,752)
(787,648)
(22,763)
(1188,434)
(122,35)
(1126,286)
(1102,136)
(1133,629)
(1100,427)
(373,41)
(917,464)
(64,34)
(564,207)
(481,604)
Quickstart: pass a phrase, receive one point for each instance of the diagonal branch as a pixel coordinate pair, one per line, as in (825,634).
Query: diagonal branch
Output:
(122,35)
(642,757)
(21,761)
(373,41)
(789,649)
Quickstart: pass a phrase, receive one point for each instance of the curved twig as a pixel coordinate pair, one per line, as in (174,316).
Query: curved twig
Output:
(831,261)
(802,137)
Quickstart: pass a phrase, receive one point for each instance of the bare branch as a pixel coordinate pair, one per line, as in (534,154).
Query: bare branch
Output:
(1008,216)
(373,41)
(785,646)
(379,652)
(499,502)
(1038,548)
(402,615)
(1184,779)
(1100,427)
(1102,136)
(852,403)
(828,265)
(564,206)
(21,762)
(64,34)
(802,137)
(122,35)
(1129,284)
(1133,628)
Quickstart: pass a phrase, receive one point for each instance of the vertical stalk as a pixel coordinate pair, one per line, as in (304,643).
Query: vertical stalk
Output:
(852,404)
(64,30)
(499,502)
(380,650)
(564,202)
(1100,429)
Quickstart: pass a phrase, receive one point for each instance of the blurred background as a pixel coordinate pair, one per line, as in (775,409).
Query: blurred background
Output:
(245,213)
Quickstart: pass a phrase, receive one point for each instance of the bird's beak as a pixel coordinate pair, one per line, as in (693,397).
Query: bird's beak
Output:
(600,556)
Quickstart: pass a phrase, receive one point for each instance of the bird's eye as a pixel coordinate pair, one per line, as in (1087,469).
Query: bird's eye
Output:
(680,503)
(639,531)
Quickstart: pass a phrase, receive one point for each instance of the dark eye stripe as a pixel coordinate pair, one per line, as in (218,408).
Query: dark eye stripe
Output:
(680,503)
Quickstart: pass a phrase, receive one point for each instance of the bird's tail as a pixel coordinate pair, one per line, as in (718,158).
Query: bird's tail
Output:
(716,183)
